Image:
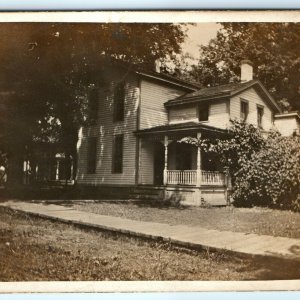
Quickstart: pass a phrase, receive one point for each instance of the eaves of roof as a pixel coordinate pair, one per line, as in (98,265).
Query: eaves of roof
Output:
(289,114)
(227,93)
(168,79)
(181,127)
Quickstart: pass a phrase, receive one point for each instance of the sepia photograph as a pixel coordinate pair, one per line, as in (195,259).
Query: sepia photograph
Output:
(142,150)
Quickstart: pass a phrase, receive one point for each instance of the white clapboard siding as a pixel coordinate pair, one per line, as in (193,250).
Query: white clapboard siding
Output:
(287,125)
(105,130)
(153,97)
(146,162)
(183,113)
(218,114)
(253,99)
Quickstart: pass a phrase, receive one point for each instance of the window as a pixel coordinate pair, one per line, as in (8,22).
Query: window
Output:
(119,99)
(92,155)
(244,110)
(260,113)
(93,105)
(117,155)
(203,111)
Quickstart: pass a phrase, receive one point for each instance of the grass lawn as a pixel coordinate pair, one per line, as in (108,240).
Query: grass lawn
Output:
(249,220)
(37,249)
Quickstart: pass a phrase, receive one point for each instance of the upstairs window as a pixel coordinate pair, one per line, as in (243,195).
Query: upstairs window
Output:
(92,155)
(119,100)
(260,113)
(117,155)
(244,110)
(203,111)
(93,105)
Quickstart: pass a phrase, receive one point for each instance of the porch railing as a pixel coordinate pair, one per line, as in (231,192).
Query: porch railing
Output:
(212,178)
(186,177)
(189,177)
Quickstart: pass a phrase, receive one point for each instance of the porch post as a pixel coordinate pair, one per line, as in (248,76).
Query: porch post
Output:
(71,168)
(198,184)
(57,170)
(166,160)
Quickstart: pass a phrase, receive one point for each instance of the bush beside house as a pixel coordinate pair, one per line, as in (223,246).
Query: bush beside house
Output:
(265,170)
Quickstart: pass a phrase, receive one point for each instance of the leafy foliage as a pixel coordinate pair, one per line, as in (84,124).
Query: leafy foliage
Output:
(271,176)
(272,47)
(203,144)
(245,139)
(265,170)
(47,69)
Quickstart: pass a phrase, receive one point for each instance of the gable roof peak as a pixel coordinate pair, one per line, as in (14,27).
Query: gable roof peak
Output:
(223,91)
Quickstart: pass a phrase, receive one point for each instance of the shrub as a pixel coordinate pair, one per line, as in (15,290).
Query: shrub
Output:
(265,170)
(236,150)
(271,176)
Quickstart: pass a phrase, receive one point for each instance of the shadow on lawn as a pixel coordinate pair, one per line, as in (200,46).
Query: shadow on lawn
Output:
(67,196)
(269,268)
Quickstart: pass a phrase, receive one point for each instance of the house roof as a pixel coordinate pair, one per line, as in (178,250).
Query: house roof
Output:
(142,71)
(179,127)
(223,91)
(288,114)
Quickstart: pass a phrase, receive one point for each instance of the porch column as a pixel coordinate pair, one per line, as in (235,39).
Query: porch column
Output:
(71,168)
(166,142)
(198,183)
(57,170)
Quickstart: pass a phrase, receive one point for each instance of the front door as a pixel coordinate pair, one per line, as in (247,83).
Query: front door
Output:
(159,161)
(183,156)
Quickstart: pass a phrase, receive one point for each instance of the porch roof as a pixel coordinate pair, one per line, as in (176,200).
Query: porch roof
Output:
(180,128)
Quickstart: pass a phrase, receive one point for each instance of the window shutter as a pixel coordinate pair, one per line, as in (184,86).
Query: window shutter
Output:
(117,155)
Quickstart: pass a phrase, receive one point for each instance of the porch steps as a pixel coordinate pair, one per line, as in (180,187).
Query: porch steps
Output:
(147,193)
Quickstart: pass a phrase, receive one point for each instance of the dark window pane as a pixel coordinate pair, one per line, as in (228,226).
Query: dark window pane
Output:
(203,111)
(117,159)
(260,113)
(119,98)
(93,105)
(92,155)
(244,110)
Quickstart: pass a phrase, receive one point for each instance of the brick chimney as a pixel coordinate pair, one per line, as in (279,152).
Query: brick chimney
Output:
(246,70)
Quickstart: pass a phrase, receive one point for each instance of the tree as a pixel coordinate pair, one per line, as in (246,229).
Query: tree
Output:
(272,47)
(47,69)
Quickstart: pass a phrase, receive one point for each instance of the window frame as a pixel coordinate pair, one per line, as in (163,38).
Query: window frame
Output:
(117,154)
(119,102)
(242,103)
(260,116)
(206,105)
(92,147)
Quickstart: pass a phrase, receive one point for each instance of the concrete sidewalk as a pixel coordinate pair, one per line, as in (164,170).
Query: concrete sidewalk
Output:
(190,236)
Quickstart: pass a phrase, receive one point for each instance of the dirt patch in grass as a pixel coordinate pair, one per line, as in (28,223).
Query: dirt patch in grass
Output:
(249,220)
(36,249)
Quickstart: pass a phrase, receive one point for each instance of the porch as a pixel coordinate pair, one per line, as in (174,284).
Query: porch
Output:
(182,170)
(190,177)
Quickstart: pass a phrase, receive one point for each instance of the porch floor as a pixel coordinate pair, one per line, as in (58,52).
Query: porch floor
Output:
(188,236)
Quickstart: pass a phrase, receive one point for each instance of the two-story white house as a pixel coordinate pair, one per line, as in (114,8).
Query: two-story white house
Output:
(132,148)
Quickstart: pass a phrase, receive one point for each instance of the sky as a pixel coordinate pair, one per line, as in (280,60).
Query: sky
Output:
(199,34)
